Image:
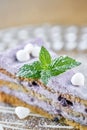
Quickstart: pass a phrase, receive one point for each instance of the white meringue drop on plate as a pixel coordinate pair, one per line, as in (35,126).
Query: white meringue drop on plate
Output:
(22,112)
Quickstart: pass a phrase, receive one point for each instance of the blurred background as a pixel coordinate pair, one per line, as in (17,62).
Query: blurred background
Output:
(62,24)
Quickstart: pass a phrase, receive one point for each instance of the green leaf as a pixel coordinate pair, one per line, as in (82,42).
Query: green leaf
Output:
(62,64)
(30,71)
(46,67)
(45,76)
(44,57)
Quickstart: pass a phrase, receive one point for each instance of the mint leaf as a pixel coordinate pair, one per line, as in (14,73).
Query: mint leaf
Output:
(30,71)
(46,67)
(45,76)
(62,64)
(44,57)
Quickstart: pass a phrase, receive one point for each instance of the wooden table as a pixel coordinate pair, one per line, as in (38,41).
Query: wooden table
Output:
(21,12)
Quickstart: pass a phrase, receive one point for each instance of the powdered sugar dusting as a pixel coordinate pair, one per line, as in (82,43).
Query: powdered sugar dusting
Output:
(32,122)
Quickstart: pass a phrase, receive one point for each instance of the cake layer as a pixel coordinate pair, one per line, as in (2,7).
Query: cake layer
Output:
(8,59)
(31,100)
(35,89)
(63,85)
(9,62)
(16,102)
(77,117)
(64,94)
(54,108)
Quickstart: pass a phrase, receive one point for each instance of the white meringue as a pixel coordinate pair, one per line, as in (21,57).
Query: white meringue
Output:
(35,52)
(28,48)
(22,112)
(78,79)
(22,55)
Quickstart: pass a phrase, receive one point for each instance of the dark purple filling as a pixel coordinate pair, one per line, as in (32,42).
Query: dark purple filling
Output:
(60,98)
(58,111)
(30,84)
(56,119)
(64,102)
(86,110)
(34,83)
(32,99)
(69,103)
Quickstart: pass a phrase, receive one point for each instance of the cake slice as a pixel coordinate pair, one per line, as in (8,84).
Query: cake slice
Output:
(57,98)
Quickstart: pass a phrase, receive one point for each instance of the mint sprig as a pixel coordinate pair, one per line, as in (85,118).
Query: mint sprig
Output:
(62,64)
(47,67)
(44,58)
(30,70)
(45,76)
